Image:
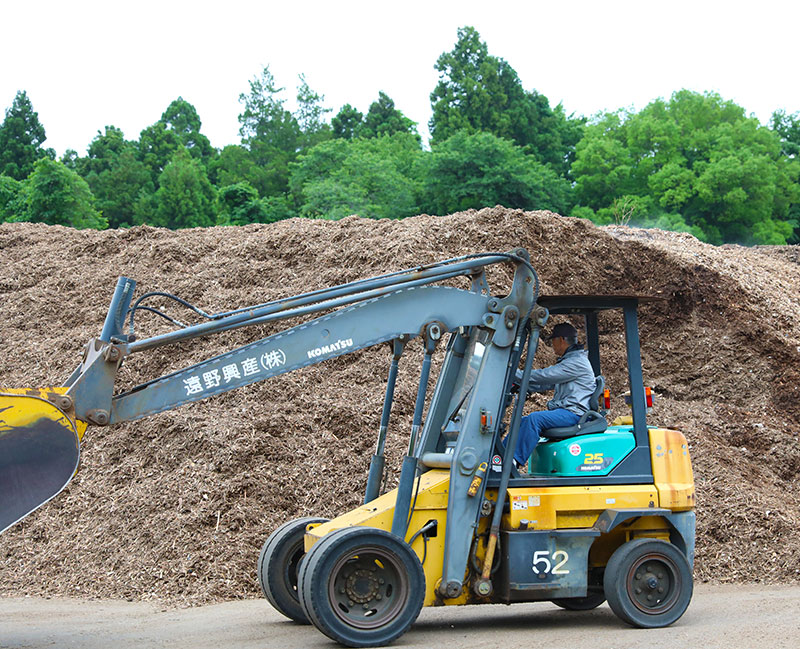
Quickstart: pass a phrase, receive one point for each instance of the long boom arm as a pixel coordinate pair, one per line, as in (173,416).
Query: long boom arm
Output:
(405,312)
(359,314)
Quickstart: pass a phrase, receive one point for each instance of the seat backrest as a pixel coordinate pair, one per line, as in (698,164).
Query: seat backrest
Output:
(596,400)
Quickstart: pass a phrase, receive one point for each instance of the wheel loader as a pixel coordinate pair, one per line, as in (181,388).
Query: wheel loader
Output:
(604,512)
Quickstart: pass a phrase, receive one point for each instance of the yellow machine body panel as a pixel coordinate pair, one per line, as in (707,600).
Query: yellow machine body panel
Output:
(39,450)
(550,508)
(672,469)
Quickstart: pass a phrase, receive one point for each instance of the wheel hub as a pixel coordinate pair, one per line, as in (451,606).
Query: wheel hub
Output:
(652,585)
(361,586)
(367,588)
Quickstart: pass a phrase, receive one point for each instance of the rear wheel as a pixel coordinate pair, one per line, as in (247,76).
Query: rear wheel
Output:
(648,583)
(278,566)
(362,587)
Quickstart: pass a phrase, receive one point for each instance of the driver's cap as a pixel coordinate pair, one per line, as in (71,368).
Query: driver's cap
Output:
(563,330)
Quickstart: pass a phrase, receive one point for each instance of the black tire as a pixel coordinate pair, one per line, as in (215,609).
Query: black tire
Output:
(648,583)
(302,570)
(591,601)
(278,567)
(362,587)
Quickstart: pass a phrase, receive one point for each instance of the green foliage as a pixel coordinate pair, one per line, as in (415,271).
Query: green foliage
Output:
(270,133)
(179,127)
(370,177)
(239,204)
(310,116)
(347,122)
(277,208)
(9,189)
(265,119)
(119,188)
(473,170)
(56,195)
(235,164)
(479,92)
(697,156)
(115,175)
(21,138)
(694,163)
(383,118)
(787,128)
(181,118)
(70,159)
(157,145)
(185,198)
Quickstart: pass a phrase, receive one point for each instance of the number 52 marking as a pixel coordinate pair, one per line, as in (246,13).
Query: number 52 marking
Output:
(542,563)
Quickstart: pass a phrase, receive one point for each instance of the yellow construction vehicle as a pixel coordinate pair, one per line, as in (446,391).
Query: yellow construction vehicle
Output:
(605,512)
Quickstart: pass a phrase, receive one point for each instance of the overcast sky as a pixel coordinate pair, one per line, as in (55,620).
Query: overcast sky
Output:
(86,64)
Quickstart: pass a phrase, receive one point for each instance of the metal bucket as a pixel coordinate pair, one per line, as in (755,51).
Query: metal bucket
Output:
(39,451)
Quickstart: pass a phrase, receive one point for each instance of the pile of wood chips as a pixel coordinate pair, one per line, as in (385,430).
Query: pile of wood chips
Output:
(175,507)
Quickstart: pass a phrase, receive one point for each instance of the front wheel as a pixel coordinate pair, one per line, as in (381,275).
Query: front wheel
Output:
(648,583)
(278,564)
(362,587)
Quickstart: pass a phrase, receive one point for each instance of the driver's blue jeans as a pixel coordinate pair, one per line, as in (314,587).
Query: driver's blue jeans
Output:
(532,425)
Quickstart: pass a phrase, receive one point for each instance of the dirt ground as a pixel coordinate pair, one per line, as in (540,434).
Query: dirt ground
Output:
(174,508)
(719,617)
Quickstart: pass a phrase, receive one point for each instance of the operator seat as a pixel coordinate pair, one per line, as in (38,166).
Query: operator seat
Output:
(591,421)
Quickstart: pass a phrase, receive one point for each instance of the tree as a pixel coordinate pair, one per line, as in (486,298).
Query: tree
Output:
(474,170)
(235,164)
(56,195)
(265,118)
(119,188)
(480,92)
(347,122)
(185,198)
(239,205)
(695,155)
(374,178)
(115,175)
(21,138)
(157,146)
(182,119)
(310,116)
(179,127)
(9,189)
(269,132)
(70,159)
(787,128)
(383,118)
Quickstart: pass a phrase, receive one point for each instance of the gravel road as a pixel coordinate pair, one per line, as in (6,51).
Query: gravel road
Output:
(719,616)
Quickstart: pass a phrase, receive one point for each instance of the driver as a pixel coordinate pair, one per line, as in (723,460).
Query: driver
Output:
(573,379)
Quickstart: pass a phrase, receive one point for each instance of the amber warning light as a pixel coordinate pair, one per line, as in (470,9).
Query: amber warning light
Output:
(648,397)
